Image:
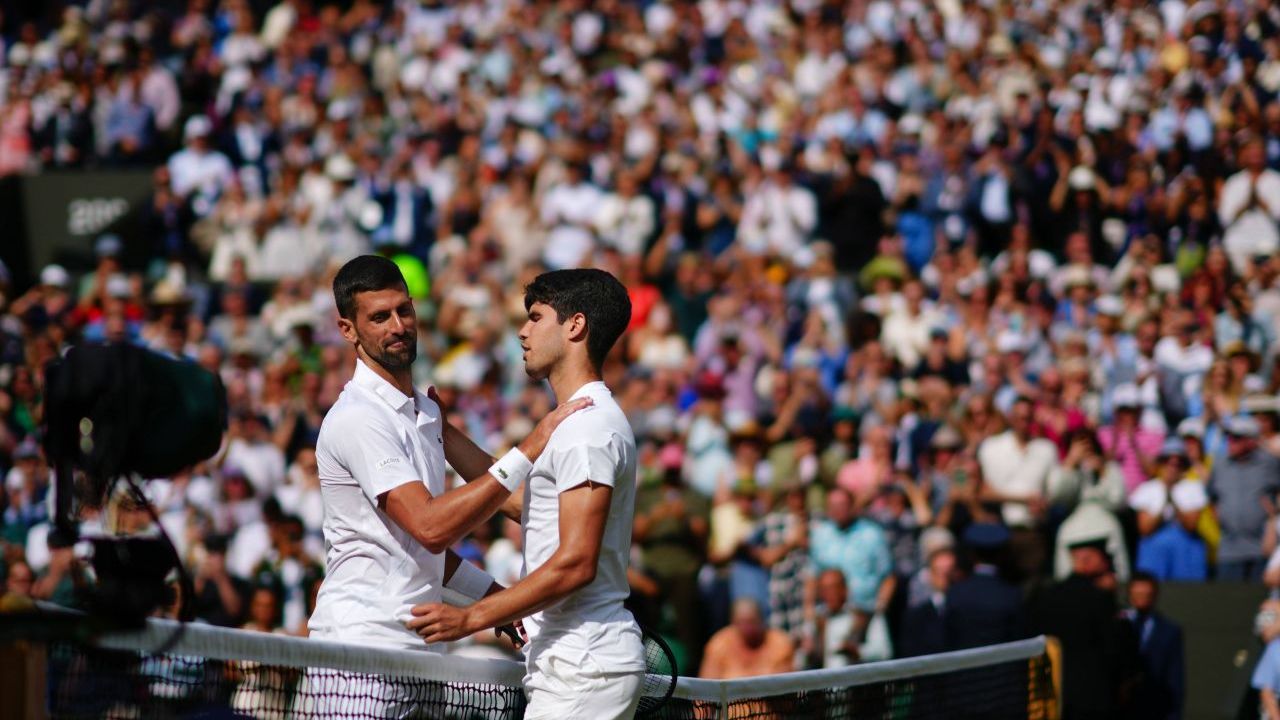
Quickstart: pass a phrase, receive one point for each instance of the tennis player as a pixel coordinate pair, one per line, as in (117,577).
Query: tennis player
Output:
(585,655)
(388,522)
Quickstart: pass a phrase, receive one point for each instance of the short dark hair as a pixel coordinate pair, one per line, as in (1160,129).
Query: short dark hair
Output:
(594,293)
(367,273)
(1146,577)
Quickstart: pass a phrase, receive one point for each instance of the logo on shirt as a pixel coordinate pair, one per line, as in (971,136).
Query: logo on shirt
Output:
(388,461)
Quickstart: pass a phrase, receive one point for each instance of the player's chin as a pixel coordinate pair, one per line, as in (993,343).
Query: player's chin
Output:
(536,372)
(400,358)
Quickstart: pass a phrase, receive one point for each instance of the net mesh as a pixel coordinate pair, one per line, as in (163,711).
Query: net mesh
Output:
(1016,690)
(212,672)
(89,682)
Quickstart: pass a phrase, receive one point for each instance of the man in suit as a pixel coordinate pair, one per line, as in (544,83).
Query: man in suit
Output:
(1160,688)
(923,626)
(983,608)
(1082,615)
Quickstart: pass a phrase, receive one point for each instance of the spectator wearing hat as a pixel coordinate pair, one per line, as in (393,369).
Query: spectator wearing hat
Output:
(48,302)
(1191,432)
(1126,441)
(108,250)
(1015,473)
(939,465)
(1175,551)
(1266,410)
(1151,500)
(1114,350)
(902,509)
(1081,613)
(1243,487)
(1183,361)
(982,608)
(26,487)
(198,172)
(1094,488)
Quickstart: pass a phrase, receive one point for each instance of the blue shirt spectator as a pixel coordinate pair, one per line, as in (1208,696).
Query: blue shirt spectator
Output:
(855,546)
(1174,553)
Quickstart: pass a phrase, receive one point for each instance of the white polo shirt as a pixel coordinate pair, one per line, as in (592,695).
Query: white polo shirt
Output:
(374,440)
(1018,471)
(593,444)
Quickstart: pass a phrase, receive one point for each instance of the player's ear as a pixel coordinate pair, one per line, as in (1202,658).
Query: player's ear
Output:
(348,329)
(576,327)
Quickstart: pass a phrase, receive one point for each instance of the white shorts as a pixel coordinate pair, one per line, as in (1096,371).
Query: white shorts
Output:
(558,689)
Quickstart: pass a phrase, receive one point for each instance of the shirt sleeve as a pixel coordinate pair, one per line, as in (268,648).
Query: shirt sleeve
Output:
(1267,675)
(597,460)
(376,457)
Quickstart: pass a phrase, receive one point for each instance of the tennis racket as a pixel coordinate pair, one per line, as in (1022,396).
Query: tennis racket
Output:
(660,673)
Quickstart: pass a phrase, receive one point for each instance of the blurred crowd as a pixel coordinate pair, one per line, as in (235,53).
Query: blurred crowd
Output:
(921,291)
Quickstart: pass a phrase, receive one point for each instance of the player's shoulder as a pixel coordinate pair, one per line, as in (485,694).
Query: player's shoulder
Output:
(600,421)
(350,414)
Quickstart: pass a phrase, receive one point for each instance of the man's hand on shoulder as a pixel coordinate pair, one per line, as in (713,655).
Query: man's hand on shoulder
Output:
(533,445)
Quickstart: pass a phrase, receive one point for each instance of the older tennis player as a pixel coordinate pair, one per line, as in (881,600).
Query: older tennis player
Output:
(388,522)
(585,656)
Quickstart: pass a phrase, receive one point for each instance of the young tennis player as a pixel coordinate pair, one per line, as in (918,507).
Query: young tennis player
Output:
(585,654)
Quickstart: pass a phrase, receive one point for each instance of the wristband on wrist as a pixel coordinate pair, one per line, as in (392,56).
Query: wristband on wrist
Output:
(511,469)
(470,581)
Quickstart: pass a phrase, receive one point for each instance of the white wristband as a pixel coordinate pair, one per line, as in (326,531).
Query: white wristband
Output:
(470,581)
(511,469)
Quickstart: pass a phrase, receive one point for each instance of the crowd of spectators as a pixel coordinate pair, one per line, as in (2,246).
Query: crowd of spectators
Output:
(911,281)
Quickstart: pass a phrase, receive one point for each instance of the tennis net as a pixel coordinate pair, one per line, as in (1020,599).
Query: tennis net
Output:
(217,672)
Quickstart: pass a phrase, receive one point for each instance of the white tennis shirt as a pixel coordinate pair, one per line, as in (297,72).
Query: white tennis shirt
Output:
(375,439)
(593,444)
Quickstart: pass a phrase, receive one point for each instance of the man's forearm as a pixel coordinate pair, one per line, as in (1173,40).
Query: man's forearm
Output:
(467,458)
(543,588)
(438,522)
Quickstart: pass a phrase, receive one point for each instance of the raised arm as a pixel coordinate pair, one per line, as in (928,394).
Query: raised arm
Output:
(583,513)
(438,522)
(472,462)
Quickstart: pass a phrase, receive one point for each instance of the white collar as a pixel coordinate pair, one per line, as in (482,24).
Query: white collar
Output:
(366,378)
(592,388)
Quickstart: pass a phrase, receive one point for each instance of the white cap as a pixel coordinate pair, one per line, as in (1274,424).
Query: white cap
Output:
(1191,427)
(1241,426)
(340,168)
(1110,306)
(1009,342)
(1081,178)
(1076,274)
(1189,496)
(108,245)
(1125,396)
(1260,403)
(196,126)
(118,286)
(55,275)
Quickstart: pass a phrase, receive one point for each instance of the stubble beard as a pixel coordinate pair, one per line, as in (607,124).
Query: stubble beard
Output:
(395,360)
